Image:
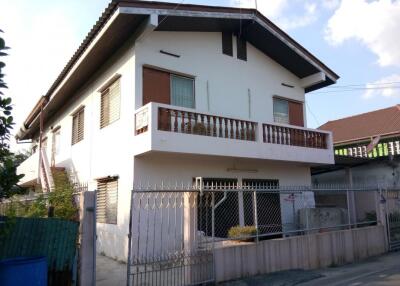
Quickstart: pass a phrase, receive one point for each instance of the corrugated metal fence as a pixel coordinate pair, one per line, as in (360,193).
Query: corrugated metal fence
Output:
(50,237)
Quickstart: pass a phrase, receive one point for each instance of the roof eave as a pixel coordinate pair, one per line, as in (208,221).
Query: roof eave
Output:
(117,14)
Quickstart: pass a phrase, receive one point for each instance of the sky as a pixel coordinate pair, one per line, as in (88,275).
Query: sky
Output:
(358,39)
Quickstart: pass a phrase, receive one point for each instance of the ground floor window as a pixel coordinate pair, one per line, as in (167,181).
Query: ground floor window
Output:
(107,200)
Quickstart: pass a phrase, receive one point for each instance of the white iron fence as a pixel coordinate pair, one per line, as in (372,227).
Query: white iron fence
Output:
(174,230)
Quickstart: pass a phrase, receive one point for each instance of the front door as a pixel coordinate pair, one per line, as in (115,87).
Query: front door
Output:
(55,146)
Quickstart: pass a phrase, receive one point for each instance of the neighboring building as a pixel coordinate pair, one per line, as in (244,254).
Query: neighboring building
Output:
(367,149)
(165,93)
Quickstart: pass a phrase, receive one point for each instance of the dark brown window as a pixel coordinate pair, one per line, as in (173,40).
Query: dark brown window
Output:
(78,126)
(107,200)
(110,104)
(168,88)
(296,116)
(227,47)
(241,48)
(156,86)
(288,112)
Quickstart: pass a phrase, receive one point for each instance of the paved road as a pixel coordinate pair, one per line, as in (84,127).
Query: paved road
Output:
(379,271)
(382,271)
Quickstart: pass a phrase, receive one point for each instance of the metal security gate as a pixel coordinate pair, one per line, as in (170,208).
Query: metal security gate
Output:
(166,246)
(393,218)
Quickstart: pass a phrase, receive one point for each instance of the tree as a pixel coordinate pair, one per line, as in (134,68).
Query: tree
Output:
(8,165)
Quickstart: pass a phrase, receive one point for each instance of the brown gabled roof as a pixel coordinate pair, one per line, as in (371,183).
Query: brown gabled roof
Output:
(366,125)
(259,31)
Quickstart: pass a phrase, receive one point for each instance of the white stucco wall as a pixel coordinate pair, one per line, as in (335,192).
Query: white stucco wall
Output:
(228,77)
(169,168)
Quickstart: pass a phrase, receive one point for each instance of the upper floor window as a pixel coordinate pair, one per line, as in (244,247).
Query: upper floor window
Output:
(281,111)
(107,200)
(182,91)
(110,104)
(166,87)
(78,124)
(288,112)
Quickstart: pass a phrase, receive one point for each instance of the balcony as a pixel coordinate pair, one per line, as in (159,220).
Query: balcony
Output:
(166,128)
(29,168)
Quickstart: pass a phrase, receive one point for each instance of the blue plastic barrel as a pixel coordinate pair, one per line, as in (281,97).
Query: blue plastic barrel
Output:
(22,271)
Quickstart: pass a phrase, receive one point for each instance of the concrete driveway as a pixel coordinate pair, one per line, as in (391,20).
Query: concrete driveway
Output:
(110,272)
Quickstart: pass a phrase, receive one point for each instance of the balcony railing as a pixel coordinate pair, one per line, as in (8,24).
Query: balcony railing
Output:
(187,121)
(293,136)
(386,147)
(204,124)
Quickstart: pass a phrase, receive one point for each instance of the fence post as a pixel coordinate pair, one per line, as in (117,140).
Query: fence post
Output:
(88,239)
(129,262)
(381,214)
(255,213)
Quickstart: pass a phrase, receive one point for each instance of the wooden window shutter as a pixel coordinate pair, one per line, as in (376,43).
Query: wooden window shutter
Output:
(227,46)
(78,126)
(241,48)
(107,201)
(156,86)
(110,104)
(296,116)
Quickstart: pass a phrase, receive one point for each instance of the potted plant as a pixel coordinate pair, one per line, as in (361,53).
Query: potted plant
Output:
(199,129)
(243,233)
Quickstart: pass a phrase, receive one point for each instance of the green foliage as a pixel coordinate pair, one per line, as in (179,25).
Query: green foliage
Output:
(38,208)
(8,167)
(62,198)
(242,232)
(370,216)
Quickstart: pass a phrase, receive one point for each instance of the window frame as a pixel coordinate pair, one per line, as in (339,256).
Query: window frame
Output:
(105,91)
(77,115)
(55,143)
(104,211)
(175,73)
(171,76)
(275,99)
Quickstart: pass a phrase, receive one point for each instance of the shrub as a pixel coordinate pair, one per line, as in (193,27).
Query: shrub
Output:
(242,232)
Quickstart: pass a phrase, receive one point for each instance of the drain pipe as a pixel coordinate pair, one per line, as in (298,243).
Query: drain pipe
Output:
(37,109)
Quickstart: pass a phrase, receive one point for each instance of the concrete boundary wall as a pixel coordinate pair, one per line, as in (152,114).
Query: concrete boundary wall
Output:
(300,252)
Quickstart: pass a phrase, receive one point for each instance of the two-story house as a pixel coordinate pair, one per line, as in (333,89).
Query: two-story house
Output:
(162,93)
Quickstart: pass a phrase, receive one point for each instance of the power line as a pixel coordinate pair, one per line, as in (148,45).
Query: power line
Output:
(165,18)
(363,84)
(312,113)
(357,88)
